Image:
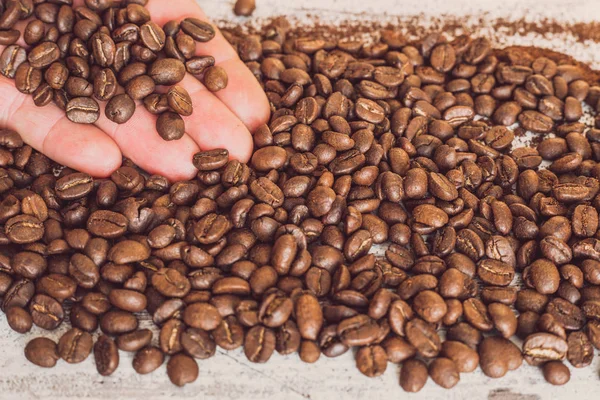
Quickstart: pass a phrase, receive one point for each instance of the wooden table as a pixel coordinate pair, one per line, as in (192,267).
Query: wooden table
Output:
(231,375)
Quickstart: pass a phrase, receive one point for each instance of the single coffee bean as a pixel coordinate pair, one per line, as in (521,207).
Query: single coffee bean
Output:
(27,78)
(180,101)
(19,319)
(11,58)
(167,71)
(43,55)
(134,341)
(152,36)
(198,343)
(46,312)
(215,78)
(148,360)
(542,347)
(444,372)
(413,375)
(259,344)
(371,360)
(170,126)
(182,369)
(120,108)
(498,356)
(75,346)
(556,373)
(201,31)
(197,65)
(42,352)
(83,110)
(244,7)
(106,355)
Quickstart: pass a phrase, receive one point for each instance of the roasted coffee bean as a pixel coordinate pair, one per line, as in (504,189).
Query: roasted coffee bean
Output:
(19,319)
(167,71)
(244,7)
(134,341)
(413,375)
(106,355)
(120,108)
(180,101)
(46,312)
(497,356)
(75,346)
(10,60)
(215,78)
(556,373)
(539,348)
(371,360)
(83,110)
(170,126)
(259,344)
(42,352)
(43,55)
(201,31)
(147,360)
(182,369)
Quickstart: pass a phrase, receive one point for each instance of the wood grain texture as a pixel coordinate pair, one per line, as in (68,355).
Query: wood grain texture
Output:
(231,375)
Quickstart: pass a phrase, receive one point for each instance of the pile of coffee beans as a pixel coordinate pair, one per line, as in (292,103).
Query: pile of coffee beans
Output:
(106,51)
(390,144)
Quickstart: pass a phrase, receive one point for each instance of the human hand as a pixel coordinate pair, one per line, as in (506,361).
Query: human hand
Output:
(220,120)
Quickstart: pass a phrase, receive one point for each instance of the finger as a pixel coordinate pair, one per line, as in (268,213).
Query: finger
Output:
(243,94)
(214,126)
(140,142)
(47,129)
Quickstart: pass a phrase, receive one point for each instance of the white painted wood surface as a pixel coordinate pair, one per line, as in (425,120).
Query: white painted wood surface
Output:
(231,375)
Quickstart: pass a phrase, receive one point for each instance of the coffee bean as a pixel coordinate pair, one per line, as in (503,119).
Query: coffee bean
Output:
(46,312)
(74,186)
(75,346)
(556,373)
(42,352)
(118,322)
(498,356)
(43,55)
(197,65)
(244,7)
(180,101)
(152,36)
(215,78)
(147,360)
(134,341)
(182,369)
(444,372)
(211,160)
(539,348)
(23,229)
(371,360)
(413,375)
(170,126)
(83,110)
(120,108)
(106,355)
(423,337)
(167,71)
(259,344)
(201,31)
(9,37)
(18,319)
(11,58)
(27,78)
